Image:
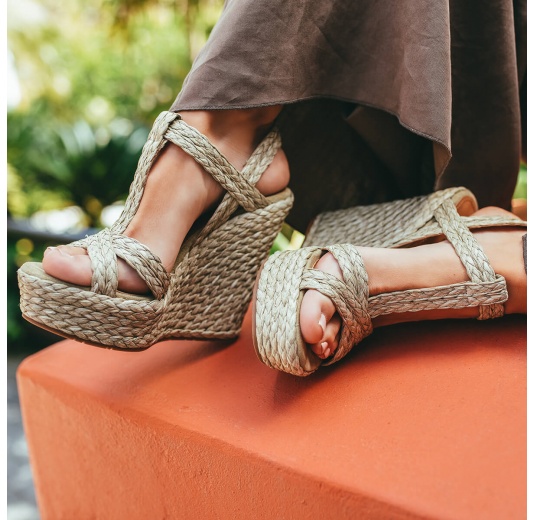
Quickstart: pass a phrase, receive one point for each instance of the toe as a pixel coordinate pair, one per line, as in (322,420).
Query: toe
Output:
(320,325)
(329,343)
(76,268)
(316,312)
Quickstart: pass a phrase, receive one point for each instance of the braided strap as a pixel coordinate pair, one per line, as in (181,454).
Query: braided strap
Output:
(105,277)
(470,253)
(350,296)
(106,246)
(433,229)
(153,146)
(262,157)
(356,308)
(255,166)
(455,296)
(147,265)
(211,159)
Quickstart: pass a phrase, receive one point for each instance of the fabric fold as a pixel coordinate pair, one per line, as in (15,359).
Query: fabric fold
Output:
(423,95)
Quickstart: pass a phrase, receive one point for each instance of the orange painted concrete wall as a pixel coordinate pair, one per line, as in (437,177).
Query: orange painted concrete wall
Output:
(422,420)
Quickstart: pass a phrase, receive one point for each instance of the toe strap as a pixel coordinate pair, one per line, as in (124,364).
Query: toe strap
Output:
(106,246)
(356,283)
(105,277)
(144,261)
(350,295)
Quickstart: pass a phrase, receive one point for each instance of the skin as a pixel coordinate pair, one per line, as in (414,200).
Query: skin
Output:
(179,191)
(427,265)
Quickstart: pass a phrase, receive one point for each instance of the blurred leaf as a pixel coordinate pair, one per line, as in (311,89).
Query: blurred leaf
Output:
(93,75)
(521,190)
(71,161)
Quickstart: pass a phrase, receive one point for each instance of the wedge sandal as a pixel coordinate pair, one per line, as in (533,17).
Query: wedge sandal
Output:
(210,286)
(286,276)
(394,224)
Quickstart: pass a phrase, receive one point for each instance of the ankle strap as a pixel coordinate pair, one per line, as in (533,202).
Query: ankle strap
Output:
(169,126)
(216,164)
(470,253)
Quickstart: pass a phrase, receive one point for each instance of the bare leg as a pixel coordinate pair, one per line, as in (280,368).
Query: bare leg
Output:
(412,268)
(178,191)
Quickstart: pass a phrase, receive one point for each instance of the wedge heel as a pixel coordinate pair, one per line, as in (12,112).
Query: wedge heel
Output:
(207,292)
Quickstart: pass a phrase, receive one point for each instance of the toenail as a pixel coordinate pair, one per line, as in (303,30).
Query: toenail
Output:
(63,252)
(324,345)
(323,322)
(327,353)
(48,249)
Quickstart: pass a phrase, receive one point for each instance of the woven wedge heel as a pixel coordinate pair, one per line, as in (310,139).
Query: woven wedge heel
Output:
(286,276)
(394,224)
(208,290)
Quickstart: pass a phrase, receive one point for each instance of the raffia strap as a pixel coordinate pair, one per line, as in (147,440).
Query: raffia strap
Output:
(350,296)
(255,166)
(356,279)
(455,296)
(209,157)
(147,265)
(353,308)
(262,157)
(105,277)
(153,146)
(103,250)
(432,228)
(469,251)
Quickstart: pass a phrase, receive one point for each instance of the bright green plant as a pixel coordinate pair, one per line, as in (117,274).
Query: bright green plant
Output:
(78,164)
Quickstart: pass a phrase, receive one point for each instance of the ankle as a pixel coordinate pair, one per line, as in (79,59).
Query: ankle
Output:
(235,132)
(433,265)
(391,270)
(504,250)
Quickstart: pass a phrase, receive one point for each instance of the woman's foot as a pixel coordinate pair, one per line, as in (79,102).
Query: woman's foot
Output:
(178,192)
(423,266)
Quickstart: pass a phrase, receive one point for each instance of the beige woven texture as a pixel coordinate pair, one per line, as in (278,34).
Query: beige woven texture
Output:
(287,275)
(210,286)
(397,223)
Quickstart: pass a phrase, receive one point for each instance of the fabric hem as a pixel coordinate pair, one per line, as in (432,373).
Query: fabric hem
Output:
(319,96)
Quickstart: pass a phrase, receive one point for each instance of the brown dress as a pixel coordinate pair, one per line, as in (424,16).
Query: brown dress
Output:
(383,99)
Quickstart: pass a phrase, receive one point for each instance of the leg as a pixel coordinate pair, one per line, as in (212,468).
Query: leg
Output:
(178,191)
(418,267)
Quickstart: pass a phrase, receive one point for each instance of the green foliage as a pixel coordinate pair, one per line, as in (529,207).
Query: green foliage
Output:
(22,338)
(94,74)
(74,164)
(521,190)
(104,59)
(87,102)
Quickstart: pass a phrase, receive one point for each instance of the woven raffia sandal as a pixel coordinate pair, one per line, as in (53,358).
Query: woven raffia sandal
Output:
(394,224)
(286,276)
(210,286)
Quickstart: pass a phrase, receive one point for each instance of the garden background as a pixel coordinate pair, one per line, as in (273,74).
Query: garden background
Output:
(86,80)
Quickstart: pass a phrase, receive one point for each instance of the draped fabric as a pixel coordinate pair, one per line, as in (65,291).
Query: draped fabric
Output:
(383,99)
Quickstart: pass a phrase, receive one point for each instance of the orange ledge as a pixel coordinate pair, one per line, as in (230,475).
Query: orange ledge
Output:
(422,420)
